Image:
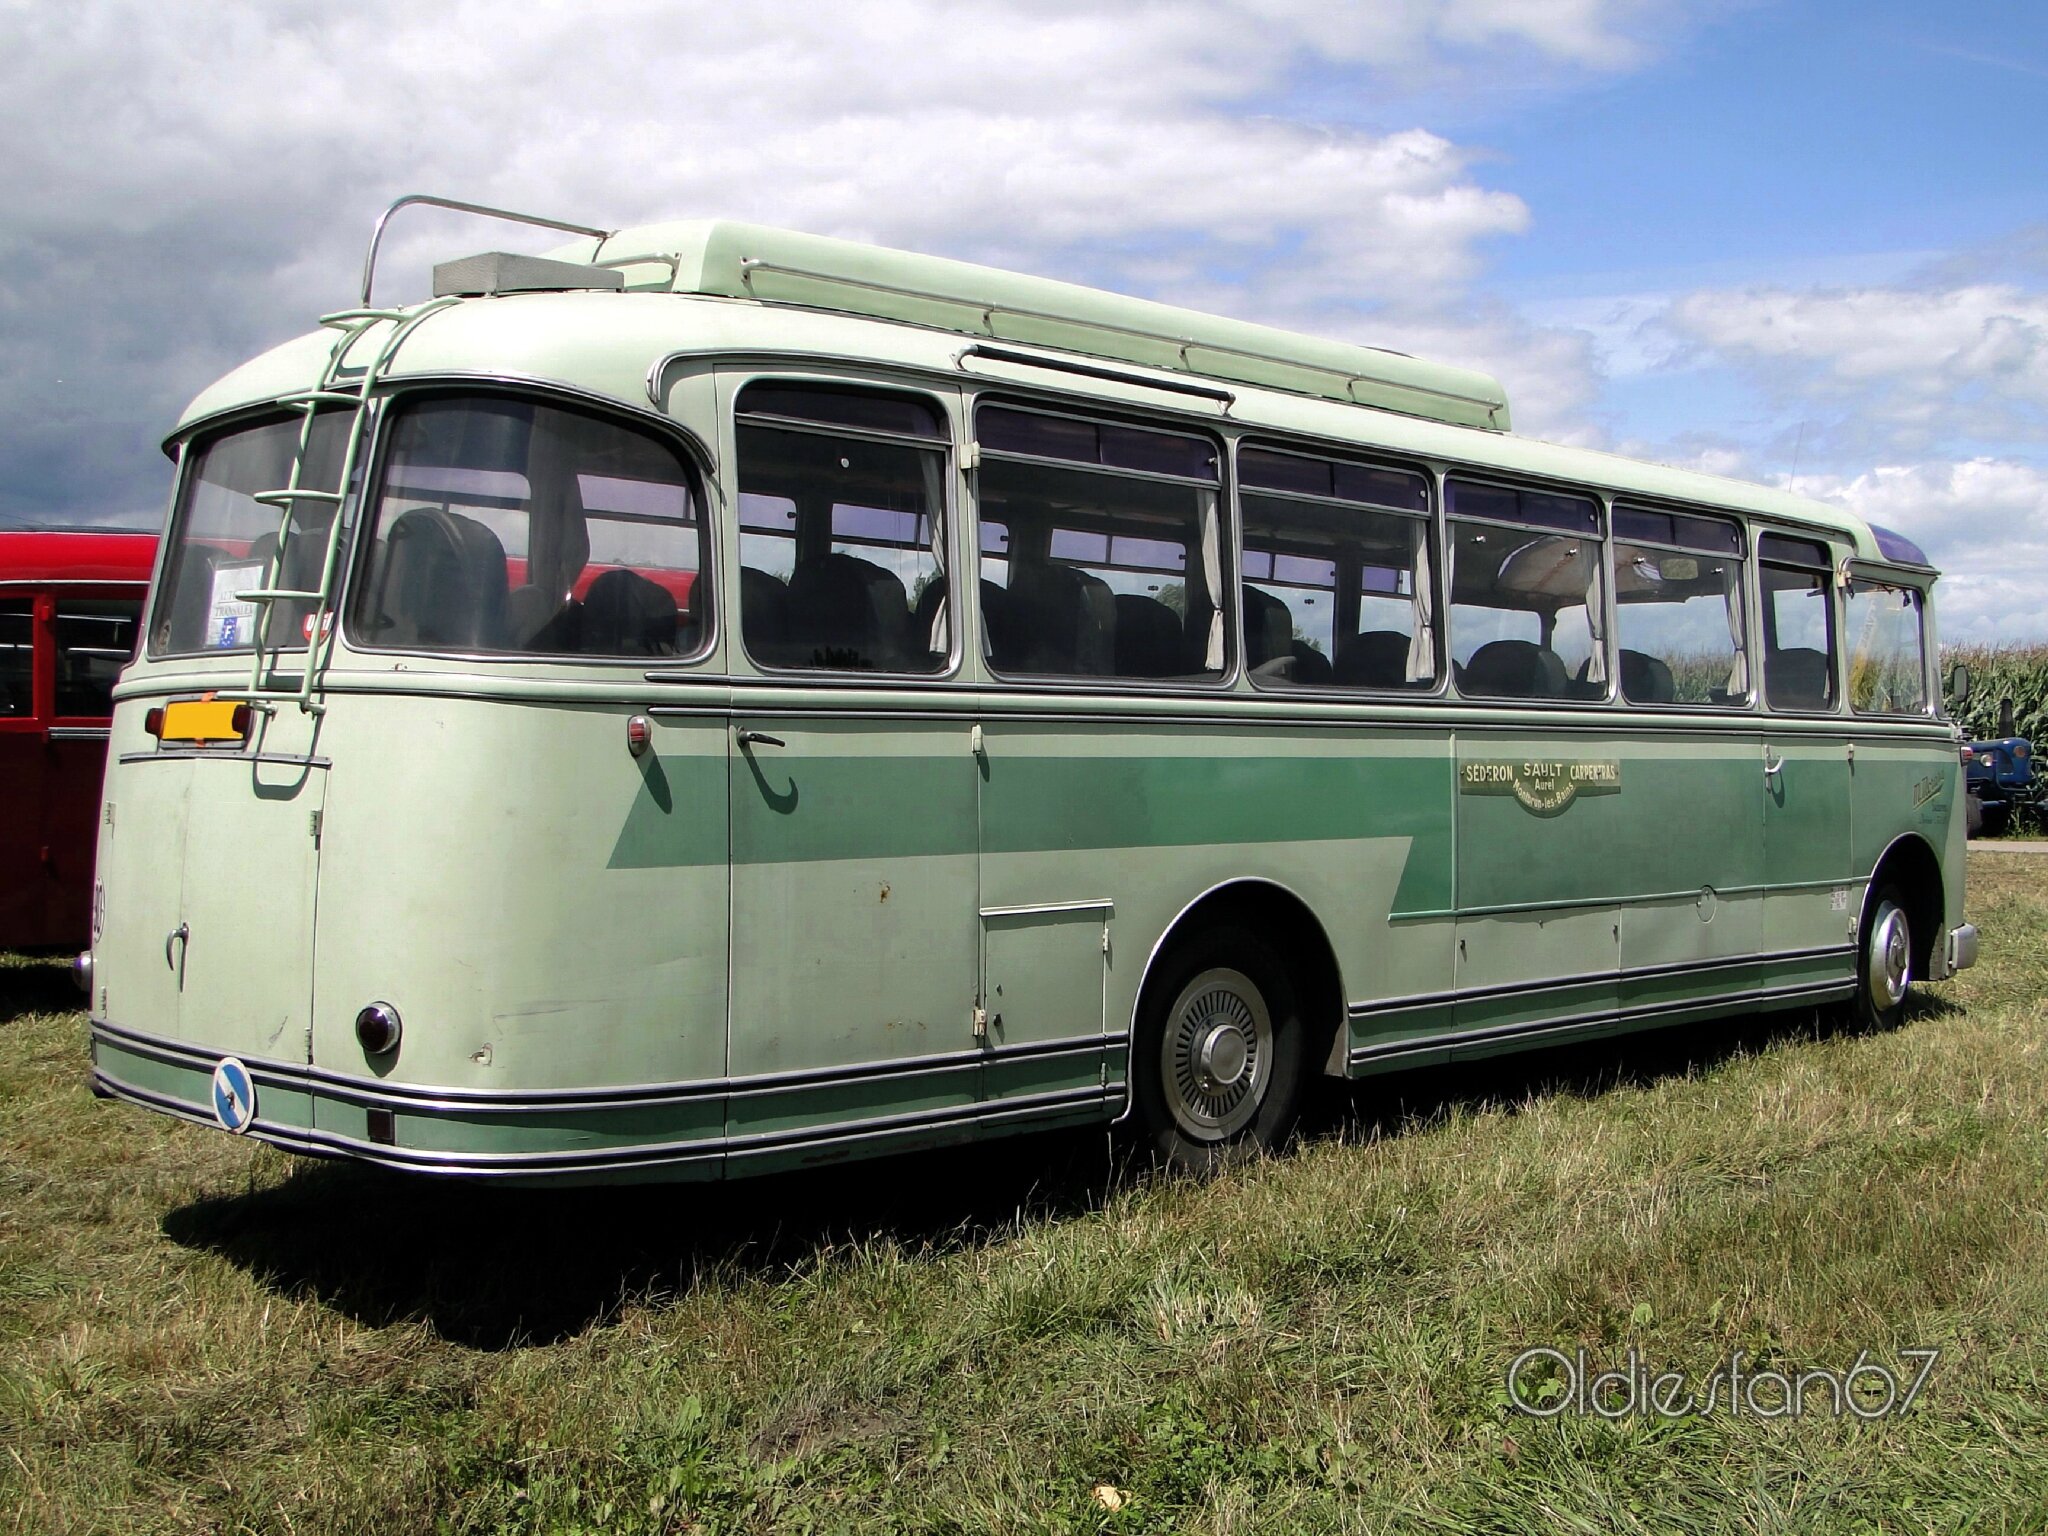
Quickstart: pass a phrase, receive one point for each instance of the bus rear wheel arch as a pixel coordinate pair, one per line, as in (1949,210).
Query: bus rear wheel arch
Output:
(1239,1008)
(1216,1061)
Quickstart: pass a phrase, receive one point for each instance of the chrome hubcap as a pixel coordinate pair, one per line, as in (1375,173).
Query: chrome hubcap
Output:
(1890,961)
(1217,1054)
(1223,1056)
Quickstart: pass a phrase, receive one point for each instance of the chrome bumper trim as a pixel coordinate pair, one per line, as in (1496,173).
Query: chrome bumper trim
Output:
(1961,952)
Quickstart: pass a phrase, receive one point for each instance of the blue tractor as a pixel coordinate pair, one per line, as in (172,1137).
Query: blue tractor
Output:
(1999,775)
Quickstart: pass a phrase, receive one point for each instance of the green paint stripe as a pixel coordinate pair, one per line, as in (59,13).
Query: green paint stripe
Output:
(678,816)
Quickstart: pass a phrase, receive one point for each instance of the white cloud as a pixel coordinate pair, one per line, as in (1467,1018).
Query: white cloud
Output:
(1904,365)
(187,183)
(1983,521)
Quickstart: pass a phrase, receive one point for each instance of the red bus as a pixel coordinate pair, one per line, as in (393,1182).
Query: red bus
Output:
(70,608)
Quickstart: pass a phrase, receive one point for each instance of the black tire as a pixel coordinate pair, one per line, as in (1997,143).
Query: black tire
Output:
(1973,814)
(1216,1064)
(1884,958)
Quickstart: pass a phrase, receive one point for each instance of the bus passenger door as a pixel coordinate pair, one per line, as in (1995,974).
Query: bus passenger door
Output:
(853,925)
(1812,898)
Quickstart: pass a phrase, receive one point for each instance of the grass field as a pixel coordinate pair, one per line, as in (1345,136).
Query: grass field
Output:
(198,1334)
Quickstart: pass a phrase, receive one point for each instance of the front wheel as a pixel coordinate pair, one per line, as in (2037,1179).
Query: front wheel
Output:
(1884,974)
(1216,1065)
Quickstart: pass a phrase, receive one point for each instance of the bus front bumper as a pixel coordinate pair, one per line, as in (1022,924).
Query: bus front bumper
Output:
(1959,953)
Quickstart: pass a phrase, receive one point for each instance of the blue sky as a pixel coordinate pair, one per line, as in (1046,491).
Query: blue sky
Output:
(1802,243)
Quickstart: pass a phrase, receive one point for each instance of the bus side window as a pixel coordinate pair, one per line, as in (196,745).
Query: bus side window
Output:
(1679,598)
(95,640)
(1108,557)
(1796,580)
(1527,615)
(17,658)
(842,497)
(1337,585)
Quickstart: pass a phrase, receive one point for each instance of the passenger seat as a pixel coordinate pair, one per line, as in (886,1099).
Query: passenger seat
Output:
(1515,669)
(440,582)
(847,612)
(764,616)
(1796,678)
(1149,639)
(625,614)
(1645,679)
(1376,659)
(1065,619)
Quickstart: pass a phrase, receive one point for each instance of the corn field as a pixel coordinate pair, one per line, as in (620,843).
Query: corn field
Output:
(2017,672)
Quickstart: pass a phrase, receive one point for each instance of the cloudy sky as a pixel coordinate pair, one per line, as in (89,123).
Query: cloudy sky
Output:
(1801,242)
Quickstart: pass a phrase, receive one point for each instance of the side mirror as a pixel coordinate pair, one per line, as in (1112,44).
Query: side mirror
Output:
(1959,683)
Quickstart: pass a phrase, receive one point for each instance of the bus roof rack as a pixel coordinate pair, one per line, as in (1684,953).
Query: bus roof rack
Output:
(482,210)
(775,266)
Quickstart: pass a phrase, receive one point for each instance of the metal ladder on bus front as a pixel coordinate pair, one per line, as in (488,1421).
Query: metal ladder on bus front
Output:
(354,324)
(264,690)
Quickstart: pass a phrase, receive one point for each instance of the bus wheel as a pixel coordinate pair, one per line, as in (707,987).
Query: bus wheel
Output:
(1884,972)
(1216,1065)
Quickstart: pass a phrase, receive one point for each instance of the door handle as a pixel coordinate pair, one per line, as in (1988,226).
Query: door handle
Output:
(748,738)
(1773,765)
(180,936)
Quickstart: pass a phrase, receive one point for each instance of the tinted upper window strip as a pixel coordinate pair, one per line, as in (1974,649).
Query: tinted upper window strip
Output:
(1108,444)
(1365,484)
(1510,504)
(1896,546)
(866,410)
(1800,552)
(1710,535)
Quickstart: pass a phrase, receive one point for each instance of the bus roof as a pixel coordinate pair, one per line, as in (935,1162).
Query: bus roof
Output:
(75,555)
(706,288)
(748,261)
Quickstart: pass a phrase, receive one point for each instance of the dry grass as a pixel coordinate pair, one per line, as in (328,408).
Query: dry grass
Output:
(201,1335)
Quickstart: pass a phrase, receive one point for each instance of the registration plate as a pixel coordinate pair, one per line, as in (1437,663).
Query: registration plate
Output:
(202,722)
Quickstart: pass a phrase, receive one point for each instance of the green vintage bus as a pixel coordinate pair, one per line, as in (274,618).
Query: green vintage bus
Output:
(716,699)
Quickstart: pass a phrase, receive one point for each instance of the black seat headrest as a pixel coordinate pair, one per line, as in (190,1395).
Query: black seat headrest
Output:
(625,614)
(1514,669)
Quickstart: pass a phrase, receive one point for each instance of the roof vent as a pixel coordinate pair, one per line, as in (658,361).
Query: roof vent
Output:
(503,272)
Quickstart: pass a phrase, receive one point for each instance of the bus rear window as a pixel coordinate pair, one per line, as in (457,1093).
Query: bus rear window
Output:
(508,525)
(225,542)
